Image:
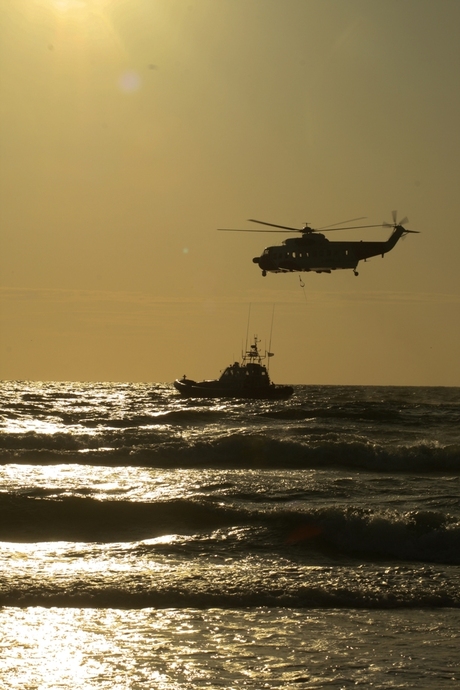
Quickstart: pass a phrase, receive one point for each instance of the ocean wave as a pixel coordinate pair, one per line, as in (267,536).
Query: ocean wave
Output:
(257,451)
(309,598)
(376,414)
(174,417)
(347,531)
(237,450)
(248,583)
(427,536)
(54,516)
(204,413)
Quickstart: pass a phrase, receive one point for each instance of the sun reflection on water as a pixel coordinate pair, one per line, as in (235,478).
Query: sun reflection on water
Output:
(174,649)
(114,483)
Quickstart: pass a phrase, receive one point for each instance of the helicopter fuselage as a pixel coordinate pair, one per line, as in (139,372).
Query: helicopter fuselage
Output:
(313,252)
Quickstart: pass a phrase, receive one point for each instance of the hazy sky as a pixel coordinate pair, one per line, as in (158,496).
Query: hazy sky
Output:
(131,130)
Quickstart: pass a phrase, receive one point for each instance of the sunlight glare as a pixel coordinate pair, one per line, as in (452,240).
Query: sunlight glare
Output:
(64,5)
(83,31)
(69,5)
(80,13)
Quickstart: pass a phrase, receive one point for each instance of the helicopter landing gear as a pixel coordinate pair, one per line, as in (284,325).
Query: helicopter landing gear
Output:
(356,272)
(264,273)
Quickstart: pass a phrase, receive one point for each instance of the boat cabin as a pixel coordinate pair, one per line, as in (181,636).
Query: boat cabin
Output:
(251,373)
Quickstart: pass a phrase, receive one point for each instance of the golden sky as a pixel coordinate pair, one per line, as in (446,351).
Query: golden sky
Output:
(130,130)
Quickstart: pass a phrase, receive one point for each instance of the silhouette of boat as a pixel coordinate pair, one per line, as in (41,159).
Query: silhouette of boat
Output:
(249,379)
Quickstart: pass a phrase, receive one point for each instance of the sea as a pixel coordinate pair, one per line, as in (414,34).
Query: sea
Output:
(150,541)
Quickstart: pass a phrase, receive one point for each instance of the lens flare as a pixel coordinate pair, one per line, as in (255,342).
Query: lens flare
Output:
(129,81)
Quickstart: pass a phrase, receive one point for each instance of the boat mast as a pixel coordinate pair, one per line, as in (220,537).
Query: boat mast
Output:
(269,353)
(247,331)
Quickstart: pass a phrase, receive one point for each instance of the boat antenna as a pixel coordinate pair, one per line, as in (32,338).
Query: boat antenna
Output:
(247,329)
(270,341)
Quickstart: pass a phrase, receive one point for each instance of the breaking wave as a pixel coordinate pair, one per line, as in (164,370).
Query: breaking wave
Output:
(418,535)
(238,450)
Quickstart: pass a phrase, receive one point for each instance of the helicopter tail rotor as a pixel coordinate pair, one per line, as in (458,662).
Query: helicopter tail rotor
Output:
(398,223)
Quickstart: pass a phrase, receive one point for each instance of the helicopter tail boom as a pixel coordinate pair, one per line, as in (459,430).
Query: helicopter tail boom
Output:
(365,250)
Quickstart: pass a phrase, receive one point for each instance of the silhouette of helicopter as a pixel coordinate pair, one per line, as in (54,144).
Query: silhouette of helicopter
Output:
(313,252)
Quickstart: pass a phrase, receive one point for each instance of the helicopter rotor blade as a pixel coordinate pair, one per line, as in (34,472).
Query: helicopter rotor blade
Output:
(351,227)
(325,228)
(289,230)
(333,225)
(274,225)
(286,229)
(250,230)
(308,229)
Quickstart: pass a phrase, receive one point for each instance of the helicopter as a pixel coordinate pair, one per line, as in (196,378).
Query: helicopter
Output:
(313,252)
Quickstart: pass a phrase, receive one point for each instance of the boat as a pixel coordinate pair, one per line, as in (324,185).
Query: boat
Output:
(248,379)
